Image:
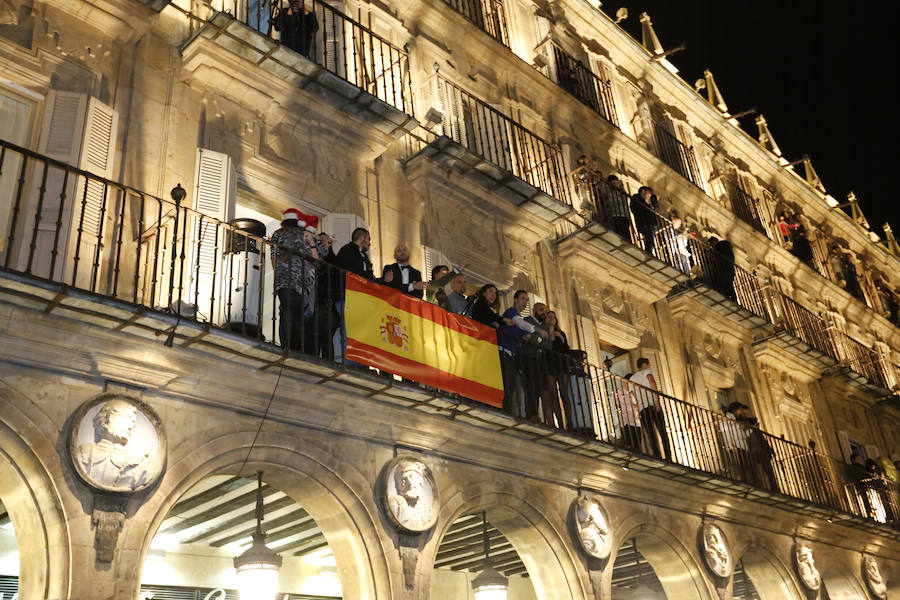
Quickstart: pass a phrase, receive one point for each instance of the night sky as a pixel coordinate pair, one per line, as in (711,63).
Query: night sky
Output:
(824,74)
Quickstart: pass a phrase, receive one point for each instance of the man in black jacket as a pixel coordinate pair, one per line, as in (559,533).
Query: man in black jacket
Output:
(644,205)
(401,276)
(353,257)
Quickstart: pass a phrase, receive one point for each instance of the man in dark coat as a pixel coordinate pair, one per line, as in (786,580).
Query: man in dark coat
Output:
(297,24)
(401,276)
(353,257)
(643,206)
(722,269)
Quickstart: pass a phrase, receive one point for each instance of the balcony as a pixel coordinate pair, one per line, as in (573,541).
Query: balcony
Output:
(578,80)
(487,15)
(158,270)
(749,210)
(325,53)
(478,141)
(678,156)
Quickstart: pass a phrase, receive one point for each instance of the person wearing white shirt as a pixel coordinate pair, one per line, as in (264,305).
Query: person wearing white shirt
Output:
(401,276)
(653,416)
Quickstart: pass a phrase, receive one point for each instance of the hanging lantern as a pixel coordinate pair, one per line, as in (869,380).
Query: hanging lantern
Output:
(490,584)
(257,568)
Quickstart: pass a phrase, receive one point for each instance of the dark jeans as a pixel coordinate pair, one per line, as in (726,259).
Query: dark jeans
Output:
(296,331)
(510,374)
(649,235)
(631,437)
(622,226)
(653,422)
(534,373)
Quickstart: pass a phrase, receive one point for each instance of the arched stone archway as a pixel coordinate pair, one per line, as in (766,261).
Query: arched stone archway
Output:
(675,567)
(539,538)
(336,497)
(841,579)
(770,577)
(31,499)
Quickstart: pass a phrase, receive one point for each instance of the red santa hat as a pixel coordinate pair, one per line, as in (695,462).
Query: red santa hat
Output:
(312,223)
(292,214)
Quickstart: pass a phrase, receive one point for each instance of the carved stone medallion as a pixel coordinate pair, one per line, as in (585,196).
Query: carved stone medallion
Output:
(716,552)
(874,579)
(117,444)
(592,527)
(411,495)
(806,567)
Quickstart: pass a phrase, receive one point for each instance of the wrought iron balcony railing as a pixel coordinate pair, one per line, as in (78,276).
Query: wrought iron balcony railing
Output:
(333,40)
(748,209)
(678,155)
(577,79)
(708,265)
(487,15)
(160,255)
(490,134)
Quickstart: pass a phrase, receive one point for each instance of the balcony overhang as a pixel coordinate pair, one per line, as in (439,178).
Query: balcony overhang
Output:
(612,243)
(794,347)
(127,21)
(857,381)
(223,41)
(501,182)
(726,307)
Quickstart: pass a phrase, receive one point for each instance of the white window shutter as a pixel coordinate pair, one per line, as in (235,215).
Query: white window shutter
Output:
(340,226)
(844,443)
(589,340)
(873,452)
(214,200)
(63,124)
(97,158)
(431,258)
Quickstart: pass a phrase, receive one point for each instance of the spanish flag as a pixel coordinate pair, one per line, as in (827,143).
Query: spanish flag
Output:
(389,330)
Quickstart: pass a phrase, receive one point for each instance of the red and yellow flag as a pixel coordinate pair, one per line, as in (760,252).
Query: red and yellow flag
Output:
(389,330)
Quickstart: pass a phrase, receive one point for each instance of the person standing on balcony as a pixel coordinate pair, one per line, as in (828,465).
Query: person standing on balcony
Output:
(532,362)
(456,301)
(556,390)
(760,452)
(298,24)
(510,340)
(441,276)
(857,473)
(682,248)
(628,413)
(653,417)
(401,276)
(722,268)
(890,305)
(294,259)
(733,439)
(643,206)
(800,246)
(353,257)
(615,207)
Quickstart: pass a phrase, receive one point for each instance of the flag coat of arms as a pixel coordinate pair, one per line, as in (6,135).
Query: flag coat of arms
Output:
(403,335)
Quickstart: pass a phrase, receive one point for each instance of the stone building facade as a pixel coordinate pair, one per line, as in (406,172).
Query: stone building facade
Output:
(478,132)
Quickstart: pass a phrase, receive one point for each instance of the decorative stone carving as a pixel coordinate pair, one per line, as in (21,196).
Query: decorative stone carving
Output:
(873,577)
(716,552)
(806,567)
(107,525)
(117,444)
(592,527)
(411,495)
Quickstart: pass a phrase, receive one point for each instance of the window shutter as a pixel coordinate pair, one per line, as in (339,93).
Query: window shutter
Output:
(97,158)
(432,258)
(62,126)
(214,198)
(589,340)
(844,443)
(340,226)
(873,452)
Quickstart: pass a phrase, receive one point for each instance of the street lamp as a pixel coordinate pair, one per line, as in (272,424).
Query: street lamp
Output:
(257,568)
(490,584)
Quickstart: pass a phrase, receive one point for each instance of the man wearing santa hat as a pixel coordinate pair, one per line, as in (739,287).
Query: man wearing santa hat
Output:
(294,259)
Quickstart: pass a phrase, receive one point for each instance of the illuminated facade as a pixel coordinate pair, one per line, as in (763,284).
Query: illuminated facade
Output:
(475,131)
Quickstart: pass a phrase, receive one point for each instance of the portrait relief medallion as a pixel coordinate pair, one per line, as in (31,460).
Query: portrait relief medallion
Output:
(806,566)
(411,494)
(874,579)
(716,553)
(117,444)
(592,527)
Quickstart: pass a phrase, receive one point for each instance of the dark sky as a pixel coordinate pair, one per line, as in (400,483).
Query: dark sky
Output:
(824,74)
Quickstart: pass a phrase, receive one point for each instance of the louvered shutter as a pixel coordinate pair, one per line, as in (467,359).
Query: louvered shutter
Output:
(93,199)
(61,134)
(432,258)
(213,203)
(844,443)
(14,120)
(337,46)
(589,340)
(340,226)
